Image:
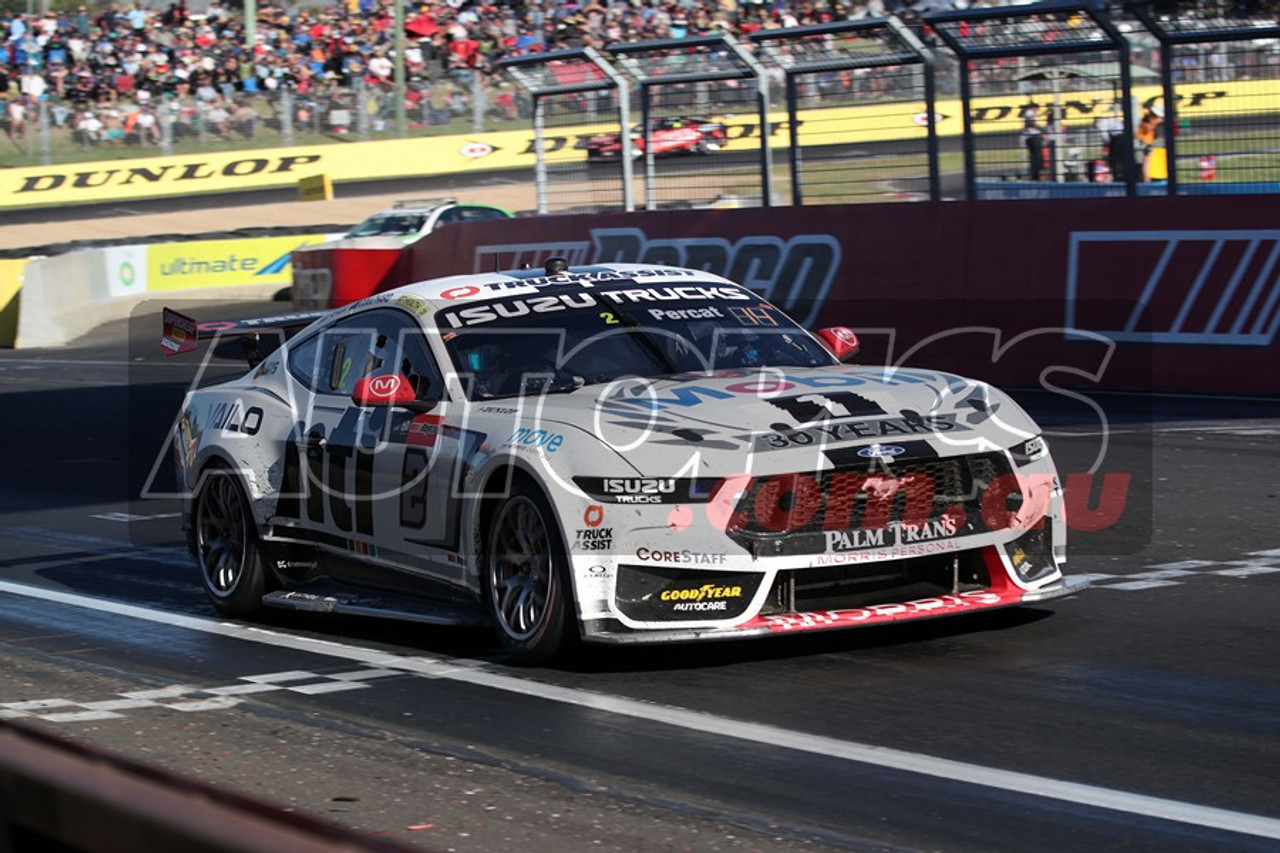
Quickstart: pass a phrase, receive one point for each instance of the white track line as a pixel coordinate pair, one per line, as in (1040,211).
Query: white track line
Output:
(893,759)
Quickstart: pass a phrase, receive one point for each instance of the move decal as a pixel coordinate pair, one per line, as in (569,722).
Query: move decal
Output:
(644,397)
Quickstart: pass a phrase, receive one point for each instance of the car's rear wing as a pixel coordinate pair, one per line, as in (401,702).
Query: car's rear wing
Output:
(182,333)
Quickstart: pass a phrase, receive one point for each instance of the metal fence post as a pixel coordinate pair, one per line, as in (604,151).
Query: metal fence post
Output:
(646,125)
(540,167)
(1170,123)
(166,127)
(46,139)
(966,141)
(362,108)
(793,134)
(479,102)
(286,115)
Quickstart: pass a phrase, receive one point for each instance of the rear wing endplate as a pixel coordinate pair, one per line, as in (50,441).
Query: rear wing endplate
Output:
(182,333)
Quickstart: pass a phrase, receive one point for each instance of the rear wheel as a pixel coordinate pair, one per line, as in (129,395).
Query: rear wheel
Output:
(527,576)
(226,545)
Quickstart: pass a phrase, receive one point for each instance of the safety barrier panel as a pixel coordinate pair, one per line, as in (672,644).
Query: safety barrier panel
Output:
(64,296)
(1157,294)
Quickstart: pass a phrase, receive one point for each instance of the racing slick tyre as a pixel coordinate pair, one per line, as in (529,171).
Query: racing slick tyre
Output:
(225,543)
(527,578)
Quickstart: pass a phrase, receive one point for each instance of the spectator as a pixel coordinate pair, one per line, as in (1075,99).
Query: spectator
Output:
(218,120)
(1111,128)
(16,112)
(1146,135)
(146,126)
(244,119)
(1033,140)
(88,129)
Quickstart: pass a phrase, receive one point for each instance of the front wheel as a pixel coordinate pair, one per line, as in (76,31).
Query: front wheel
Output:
(226,545)
(527,576)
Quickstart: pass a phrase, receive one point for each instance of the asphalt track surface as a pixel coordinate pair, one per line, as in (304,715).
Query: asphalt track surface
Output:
(1142,714)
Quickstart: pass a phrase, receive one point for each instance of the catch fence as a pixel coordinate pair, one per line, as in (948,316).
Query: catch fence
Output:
(1046,100)
(1049,100)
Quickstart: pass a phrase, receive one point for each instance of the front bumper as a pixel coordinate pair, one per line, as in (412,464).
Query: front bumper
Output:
(1001,593)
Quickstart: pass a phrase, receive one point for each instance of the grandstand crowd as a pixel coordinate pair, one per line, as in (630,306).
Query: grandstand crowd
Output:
(102,70)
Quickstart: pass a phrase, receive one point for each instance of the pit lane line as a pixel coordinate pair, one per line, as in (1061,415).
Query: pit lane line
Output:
(892,759)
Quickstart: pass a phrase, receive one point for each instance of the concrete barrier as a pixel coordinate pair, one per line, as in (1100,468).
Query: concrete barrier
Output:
(66,296)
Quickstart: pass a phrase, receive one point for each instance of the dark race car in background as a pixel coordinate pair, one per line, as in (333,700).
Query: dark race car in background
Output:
(674,135)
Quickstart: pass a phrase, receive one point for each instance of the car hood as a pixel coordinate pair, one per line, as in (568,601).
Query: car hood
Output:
(774,415)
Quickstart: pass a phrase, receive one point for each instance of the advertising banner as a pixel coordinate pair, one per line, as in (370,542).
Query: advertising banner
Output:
(222,263)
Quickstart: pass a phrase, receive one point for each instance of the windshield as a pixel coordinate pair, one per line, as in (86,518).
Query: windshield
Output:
(389,224)
(569,336)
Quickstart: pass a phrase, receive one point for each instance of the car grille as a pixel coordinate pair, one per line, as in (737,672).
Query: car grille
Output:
(793,511)
(827,588)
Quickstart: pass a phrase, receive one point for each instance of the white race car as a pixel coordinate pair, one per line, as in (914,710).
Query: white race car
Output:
(618,453)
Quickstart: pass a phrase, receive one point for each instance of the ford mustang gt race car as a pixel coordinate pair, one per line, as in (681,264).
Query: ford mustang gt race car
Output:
(616,453)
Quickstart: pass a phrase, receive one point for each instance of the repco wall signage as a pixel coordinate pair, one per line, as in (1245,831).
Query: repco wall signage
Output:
(794,273)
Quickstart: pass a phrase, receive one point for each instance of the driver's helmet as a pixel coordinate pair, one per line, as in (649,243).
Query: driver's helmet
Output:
(484,358)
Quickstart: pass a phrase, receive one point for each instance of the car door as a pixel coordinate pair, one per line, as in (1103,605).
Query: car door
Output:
(361,496)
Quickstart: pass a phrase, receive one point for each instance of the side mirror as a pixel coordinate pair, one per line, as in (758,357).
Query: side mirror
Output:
(393,389)
(841,340)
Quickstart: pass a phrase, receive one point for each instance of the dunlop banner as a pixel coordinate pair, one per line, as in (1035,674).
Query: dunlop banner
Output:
(230,171)
(222,263)
(453,155)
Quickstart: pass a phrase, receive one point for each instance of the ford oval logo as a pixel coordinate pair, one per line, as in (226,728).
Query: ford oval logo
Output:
(881,451)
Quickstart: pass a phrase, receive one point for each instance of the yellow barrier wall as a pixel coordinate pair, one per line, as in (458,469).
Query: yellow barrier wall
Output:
(10,287)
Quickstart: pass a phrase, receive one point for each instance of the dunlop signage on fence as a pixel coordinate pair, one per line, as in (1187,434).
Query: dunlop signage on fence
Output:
(230,171)
(359,161)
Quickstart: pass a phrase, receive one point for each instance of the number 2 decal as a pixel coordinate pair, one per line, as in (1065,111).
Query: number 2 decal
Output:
(609,319)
